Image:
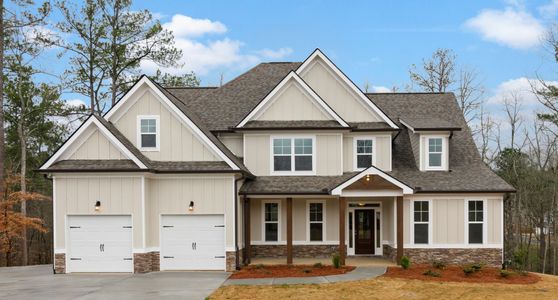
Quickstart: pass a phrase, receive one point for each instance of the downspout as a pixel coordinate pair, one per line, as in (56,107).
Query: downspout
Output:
(237,252)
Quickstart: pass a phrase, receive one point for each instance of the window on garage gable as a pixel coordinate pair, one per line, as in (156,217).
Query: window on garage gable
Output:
(148,133)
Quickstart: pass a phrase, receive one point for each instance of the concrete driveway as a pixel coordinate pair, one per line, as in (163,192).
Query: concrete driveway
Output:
(38,282)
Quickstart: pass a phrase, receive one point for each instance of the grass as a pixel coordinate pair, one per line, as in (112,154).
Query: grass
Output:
(395,288)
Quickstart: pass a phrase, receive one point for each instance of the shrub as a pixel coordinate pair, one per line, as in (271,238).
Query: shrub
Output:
(405,262)
(336,260)
(439,265)
(477,267)
(318,265)
(259,266)
(468,270)
(505,273)
(431,273)
(306,271)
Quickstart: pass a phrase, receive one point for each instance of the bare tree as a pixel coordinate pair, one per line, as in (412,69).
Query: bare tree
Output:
(440,73)
(512,107)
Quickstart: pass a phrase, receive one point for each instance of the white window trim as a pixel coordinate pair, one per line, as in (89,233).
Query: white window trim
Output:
(278,221)
(484,221)
(355,154)
(424,151)
(292,172)
(324,209)
(412,221)
(157,132)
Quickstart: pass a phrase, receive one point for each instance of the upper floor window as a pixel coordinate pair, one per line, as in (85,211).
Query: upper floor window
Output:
(364,154)
(436,153)
(293,155)
(148,133)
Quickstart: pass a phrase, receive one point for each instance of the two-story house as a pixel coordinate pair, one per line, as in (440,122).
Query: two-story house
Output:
(286,160)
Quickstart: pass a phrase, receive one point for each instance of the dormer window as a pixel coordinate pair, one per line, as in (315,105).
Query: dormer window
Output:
(435,153)
(364,152)
(292,155)
(148,133)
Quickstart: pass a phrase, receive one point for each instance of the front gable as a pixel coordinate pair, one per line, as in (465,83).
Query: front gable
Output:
(293,100)
(177,140)
(339,91)
(93,141)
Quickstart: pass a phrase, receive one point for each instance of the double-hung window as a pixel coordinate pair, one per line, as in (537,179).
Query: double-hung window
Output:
(475,221)
(293,155)
(364,153)
(421,218)
(271,221)
(435,154)
(148,133)
(316,221)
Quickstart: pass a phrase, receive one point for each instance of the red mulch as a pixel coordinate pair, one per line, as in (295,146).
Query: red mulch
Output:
(455,273)
(275,271)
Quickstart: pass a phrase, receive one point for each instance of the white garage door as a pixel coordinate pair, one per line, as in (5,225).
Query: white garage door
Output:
(194,242)
(100,244)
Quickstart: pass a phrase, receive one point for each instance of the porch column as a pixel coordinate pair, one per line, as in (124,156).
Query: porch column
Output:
(289,231)
(399,205)
(247,238)
(342,247)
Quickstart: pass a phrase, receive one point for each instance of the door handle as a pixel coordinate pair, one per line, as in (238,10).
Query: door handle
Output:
(194,245)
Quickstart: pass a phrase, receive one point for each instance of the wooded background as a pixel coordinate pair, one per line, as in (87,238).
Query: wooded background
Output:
(104,42)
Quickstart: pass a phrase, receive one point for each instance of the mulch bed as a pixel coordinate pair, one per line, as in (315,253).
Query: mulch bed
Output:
(276,271)
(455,274)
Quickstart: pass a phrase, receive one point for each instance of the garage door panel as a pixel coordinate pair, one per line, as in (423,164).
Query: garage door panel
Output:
(100,244)
(194,242)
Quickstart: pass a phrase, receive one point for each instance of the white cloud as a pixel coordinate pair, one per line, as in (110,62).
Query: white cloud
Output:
(549,10)
(75,103)
(381,89)
(519,87)
(203,56)
(275,54)
(512,27)
(185,26)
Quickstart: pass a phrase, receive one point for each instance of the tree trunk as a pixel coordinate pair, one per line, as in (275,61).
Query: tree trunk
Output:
(2,149)
(23,181)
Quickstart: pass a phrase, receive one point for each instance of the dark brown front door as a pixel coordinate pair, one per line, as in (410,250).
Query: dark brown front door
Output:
(364,231)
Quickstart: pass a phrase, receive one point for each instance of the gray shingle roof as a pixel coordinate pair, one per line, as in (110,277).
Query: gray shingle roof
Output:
(127,165)
(429,124)
(284,185)
(292,124)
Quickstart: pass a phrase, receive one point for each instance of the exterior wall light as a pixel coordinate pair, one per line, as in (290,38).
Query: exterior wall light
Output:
(367,177)
(191,206)
(98,206)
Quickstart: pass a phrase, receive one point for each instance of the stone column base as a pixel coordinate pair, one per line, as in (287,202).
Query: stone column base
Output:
(230,261)
(456,256)
(146,262)
(60,263)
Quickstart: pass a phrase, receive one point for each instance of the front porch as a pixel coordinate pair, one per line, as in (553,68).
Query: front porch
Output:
(360,219)
(357,261)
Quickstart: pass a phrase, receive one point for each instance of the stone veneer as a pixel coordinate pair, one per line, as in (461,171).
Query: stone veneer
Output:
(60,263)
(146,262)
(300,251)
(230,261)
(458,256)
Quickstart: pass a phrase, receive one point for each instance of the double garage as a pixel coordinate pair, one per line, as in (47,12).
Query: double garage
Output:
(104,243)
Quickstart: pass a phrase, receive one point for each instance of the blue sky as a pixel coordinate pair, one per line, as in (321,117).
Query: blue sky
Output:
(368,40)
(374,41)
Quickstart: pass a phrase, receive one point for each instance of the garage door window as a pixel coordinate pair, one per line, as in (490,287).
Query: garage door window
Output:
(271,217)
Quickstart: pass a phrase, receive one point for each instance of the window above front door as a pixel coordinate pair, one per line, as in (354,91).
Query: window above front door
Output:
(364,152)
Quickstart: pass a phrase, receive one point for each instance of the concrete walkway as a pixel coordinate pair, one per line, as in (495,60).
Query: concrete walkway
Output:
(360,273)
